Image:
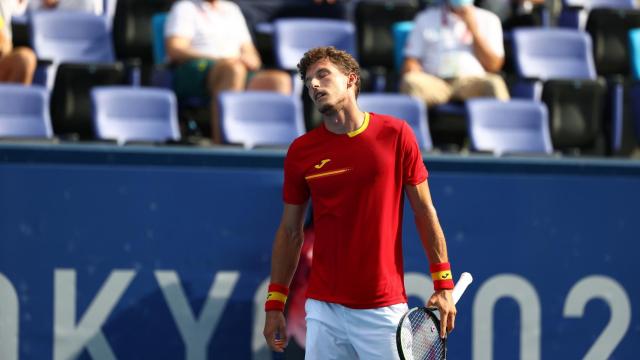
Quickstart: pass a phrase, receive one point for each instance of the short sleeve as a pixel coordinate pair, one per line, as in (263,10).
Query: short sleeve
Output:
(244,36)
(180,21)
(493,33)
(414,47)
(295,190)
(413,170)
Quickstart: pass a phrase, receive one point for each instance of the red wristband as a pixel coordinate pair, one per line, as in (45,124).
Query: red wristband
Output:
(442,276)
(276,297)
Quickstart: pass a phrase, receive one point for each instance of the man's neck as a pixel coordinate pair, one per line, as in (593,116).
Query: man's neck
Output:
(349,119)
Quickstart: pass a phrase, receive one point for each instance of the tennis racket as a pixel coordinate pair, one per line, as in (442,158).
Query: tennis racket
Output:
(418,333)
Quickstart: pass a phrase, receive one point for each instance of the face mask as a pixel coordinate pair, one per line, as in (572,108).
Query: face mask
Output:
(460,3)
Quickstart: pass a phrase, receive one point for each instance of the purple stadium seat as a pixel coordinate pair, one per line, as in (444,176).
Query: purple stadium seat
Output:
(516,126)
(135,114)
(259,118)
(404,107)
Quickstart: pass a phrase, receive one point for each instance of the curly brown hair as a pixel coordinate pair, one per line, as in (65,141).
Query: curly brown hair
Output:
(342,59)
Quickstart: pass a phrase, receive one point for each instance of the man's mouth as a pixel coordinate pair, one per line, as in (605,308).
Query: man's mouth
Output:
(320,94)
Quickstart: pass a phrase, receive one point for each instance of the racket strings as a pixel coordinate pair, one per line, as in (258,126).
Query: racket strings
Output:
(420,337)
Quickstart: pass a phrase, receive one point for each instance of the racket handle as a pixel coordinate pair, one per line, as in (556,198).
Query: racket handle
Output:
(461,286)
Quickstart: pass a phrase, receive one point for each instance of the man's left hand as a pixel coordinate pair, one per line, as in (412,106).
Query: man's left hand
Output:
(443,301)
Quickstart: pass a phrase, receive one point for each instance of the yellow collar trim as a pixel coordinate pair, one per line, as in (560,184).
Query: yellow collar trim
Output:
(362,128)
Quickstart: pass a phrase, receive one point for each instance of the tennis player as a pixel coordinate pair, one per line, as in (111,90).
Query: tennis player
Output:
(355,168)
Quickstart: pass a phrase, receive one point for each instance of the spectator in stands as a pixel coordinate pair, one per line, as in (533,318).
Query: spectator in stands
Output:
(91,6)
(453,53)
(211,44)
(16,65)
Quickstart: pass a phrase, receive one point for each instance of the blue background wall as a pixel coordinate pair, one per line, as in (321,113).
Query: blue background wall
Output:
(80,218)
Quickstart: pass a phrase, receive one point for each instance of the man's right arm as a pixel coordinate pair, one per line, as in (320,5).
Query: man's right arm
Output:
(179,50)
(411,64)
(284,260)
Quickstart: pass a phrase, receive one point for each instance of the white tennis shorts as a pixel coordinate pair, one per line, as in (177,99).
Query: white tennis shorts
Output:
(336,332)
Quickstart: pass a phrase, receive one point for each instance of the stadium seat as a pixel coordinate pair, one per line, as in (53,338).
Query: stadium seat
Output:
(294,36)
(259,118)
(516,126)
(374,20)
(24,112)
(127,114)
(80,49)
(571,90)
(634,52)
(132,29)
(157,25)
(576,12)
(401,31)
(609,30)
(404,107)
(70,36)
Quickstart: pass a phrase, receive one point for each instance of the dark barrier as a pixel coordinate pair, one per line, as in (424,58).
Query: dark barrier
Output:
(163,253)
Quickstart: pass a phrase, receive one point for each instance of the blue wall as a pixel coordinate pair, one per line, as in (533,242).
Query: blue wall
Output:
(163,253)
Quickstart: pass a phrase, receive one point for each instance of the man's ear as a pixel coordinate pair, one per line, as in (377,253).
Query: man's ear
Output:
(353,79)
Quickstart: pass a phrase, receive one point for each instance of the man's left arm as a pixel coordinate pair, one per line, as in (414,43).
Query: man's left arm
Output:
(489,59)
(433,240)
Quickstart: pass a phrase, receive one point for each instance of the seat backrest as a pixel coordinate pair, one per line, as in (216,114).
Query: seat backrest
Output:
(593,4)
(553,54)
(69,36)
(259,118)
(157,24)
(516,126)
(634,52)
(400,31)
(374,20)
(609,29)
(133,30)
(135,114)
(24,111)
(401,106)
(293,37)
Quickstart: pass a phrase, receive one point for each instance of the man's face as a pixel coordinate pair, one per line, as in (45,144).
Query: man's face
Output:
(328,87)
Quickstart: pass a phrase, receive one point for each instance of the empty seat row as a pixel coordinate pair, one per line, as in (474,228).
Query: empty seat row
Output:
(122,114)
(132,114)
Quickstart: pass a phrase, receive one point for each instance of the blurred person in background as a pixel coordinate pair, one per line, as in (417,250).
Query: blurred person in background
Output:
(210,43)
(90,6)
(453,53)
(16,65)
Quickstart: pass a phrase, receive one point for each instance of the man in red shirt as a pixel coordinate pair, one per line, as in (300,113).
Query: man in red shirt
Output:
(355,167)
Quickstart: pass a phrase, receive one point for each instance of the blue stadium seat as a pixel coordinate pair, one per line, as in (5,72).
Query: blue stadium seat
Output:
(634,52)
(404,107)
(516,126)
(293,37)
(259,118)
(128,114)
(157,25)
(24,112)
(401,31)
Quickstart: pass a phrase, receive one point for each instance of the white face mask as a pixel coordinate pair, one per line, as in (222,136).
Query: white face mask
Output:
(460,3)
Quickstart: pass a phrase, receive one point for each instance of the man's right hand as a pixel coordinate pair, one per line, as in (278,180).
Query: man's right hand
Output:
(275,324)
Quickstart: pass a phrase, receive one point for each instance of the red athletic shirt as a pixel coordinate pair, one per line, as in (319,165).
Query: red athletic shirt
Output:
(356,183)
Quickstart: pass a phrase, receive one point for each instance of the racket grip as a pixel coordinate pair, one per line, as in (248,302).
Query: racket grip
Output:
(461,286)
